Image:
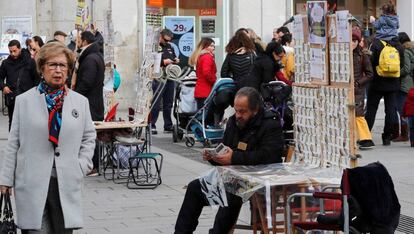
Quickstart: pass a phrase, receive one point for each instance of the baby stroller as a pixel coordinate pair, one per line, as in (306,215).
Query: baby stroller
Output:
(185,105)
(276,98)
(205,123)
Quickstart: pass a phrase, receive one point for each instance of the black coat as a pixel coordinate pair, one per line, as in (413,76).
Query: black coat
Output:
(90,77)
(382,83)
(263,136)
(263,72)
(237,65)
(372,187)
(20,74)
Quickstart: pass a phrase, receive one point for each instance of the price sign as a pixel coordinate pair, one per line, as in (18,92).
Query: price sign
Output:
(183,39)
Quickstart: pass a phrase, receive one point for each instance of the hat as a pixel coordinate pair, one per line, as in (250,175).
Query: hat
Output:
(356,34)
(57,33)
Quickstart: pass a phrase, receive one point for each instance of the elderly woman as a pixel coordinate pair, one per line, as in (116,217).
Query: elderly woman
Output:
(50,149)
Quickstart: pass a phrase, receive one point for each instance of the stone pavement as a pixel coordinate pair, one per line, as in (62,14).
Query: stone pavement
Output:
(112,208)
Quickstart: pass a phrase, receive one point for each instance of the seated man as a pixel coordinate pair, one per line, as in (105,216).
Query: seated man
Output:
(253,137)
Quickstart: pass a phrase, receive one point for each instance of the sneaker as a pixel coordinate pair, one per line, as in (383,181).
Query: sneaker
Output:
(366,144)
(93,173)
(154,131)
(168,130)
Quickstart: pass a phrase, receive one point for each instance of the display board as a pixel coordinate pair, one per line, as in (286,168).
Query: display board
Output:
(143,80)
(324,110)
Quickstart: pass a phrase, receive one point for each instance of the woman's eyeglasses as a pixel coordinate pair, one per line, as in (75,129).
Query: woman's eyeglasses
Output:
(55,66)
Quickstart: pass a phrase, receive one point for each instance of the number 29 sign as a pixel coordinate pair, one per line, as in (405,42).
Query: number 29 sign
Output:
(183,40)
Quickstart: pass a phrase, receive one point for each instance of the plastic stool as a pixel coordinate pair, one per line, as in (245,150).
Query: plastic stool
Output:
(146,172)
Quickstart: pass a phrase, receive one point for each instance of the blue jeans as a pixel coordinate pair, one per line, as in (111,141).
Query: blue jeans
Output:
(167,96)
(401,96)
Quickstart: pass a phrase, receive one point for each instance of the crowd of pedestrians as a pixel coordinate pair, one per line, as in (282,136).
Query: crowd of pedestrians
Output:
(63,84)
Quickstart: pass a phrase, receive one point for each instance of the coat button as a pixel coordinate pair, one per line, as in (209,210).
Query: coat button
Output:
(57,152)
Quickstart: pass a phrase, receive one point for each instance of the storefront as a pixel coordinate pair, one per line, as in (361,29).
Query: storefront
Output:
(203,18)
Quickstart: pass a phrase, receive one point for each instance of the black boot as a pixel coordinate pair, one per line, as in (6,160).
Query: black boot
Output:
(386,139)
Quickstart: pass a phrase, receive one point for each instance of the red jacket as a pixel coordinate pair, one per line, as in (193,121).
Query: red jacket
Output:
(206,75)
(409,104)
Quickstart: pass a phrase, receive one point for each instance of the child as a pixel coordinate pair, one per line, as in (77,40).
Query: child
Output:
(363,74)
(387,24)
(409,112)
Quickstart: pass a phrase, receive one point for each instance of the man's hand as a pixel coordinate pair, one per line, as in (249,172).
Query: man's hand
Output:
(167,62)
(206,155)
(176,60)
(224,159)
(7,90)
(5,189)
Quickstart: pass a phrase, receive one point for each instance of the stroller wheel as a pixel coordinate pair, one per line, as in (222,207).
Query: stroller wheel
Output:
(189,142)
(175,133)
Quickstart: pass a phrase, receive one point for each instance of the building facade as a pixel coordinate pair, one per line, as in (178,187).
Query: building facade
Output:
(214,18)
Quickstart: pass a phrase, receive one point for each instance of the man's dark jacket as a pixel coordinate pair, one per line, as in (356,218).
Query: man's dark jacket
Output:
(20,74)
(385,84)
(263,136)
(90,77)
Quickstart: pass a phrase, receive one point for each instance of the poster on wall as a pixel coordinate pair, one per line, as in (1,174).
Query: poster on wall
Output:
(317,63)
(6,38)
(83,18)
(183,40)
(317,21)
(342,26)
(16,25)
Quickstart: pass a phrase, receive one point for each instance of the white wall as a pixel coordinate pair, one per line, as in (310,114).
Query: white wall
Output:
(405,9)
(125,20)
(260,15)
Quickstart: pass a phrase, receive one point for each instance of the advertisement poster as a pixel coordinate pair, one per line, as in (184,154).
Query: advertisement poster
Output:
(317,21)
(183,40)
(342,26)
(16,25)
(82,19)
(6,38)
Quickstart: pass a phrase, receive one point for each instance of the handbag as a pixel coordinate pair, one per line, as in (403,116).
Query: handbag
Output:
(7,225)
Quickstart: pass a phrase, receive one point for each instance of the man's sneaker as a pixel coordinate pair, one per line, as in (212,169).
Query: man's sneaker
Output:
(366,144)
(92,173)
(154,131)
(168,130)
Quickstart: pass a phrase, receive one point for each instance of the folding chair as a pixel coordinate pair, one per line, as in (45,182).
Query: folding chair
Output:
(369,204)
(145,171)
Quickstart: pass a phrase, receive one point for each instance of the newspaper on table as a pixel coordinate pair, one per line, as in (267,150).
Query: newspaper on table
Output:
(244,181)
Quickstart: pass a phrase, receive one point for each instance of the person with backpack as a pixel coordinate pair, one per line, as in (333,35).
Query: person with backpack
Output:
(406,83)
(387,60)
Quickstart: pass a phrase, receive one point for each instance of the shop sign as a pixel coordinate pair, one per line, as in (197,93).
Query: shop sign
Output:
(207,12)
(156,3)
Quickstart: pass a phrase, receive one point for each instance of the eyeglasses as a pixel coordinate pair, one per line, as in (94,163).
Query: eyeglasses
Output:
(167,40)
(54,66)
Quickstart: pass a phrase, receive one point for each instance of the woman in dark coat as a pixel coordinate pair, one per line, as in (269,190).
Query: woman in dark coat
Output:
(238,63)
(363,74)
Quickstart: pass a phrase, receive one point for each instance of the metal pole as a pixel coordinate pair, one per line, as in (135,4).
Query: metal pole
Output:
(177,7)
